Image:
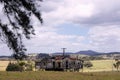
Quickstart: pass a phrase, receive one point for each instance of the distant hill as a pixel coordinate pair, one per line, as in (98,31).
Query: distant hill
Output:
(43,55)
(88,52)
(60,53)
(5,56)
(113,53)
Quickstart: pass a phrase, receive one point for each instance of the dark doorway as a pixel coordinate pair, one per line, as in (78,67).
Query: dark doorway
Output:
(67,64)
(53,65)
(59,64)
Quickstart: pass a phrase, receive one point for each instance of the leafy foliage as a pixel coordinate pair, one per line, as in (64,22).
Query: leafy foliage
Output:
(19,56)
(22,63)
(88,64)
(19,14)
(20,66)
(117,64)
(14,67)
(30,66)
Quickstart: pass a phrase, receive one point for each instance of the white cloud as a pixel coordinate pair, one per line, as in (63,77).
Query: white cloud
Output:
(106,12)
(102,16)
(66,11)
(53,41)
(105,38)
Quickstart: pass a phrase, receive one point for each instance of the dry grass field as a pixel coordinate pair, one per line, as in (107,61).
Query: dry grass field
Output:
(98,65)
(102,70)
(101,65)
(3,65)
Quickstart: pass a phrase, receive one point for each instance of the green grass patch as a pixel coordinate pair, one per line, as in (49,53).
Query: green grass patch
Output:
(44,75)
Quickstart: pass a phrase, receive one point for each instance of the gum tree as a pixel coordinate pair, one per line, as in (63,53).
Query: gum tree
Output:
(18,13)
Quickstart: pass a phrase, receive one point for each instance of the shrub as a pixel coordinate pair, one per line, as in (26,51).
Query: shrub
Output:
(20,66)
(22,63)
(29,66)
(14,67)
(88,64)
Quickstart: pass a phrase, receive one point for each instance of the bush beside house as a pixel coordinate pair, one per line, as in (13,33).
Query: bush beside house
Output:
(20,66)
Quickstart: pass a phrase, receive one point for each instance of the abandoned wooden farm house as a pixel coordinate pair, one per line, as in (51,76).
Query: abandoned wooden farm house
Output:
(60,63)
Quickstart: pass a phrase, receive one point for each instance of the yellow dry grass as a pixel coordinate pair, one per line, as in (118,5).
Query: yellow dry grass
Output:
(98,65)
(3,65)
(101,65)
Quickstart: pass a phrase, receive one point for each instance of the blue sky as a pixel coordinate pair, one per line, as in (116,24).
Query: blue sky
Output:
(76,25)
(72,29)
